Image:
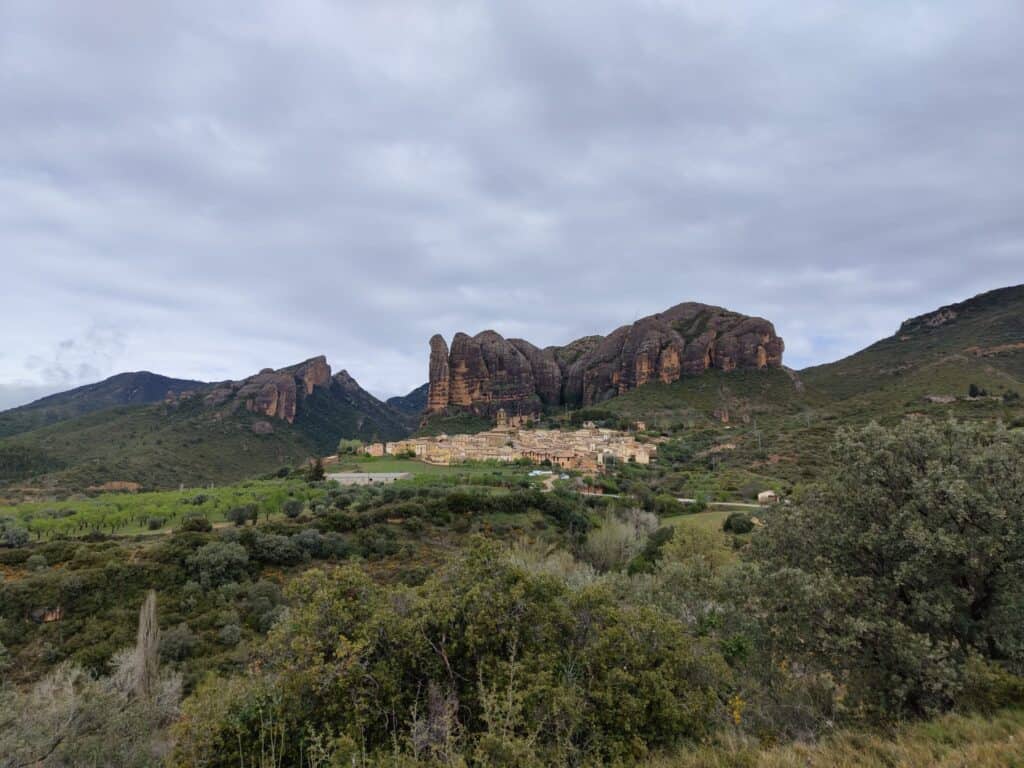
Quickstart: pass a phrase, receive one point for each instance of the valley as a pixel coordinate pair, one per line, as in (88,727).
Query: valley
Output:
(266,512)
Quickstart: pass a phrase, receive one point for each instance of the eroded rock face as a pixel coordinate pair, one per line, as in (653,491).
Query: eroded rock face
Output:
(486,372)
(275,394)
(438,394)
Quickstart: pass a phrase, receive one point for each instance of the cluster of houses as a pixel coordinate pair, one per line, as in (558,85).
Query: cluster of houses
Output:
(588,449)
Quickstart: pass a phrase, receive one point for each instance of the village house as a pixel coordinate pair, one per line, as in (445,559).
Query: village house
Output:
(588,449)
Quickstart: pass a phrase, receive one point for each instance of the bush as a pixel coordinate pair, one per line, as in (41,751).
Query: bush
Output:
(311,541)
(738,522)
(464,665)
(292,508)
(241,515)
(349,447)
(230,634)
(36,563)
(219,562)
(906,562)
(15,537)
(616,542)
(177,643)
(275,549)
(195,522)
(155,523)
(667,506)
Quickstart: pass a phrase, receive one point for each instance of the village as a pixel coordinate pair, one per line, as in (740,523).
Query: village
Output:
(589,449)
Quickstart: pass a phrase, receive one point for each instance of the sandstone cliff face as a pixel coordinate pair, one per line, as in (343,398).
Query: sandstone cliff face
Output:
(275,394)
(486,372)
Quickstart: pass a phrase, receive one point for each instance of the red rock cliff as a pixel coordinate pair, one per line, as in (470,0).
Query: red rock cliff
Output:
(486,372)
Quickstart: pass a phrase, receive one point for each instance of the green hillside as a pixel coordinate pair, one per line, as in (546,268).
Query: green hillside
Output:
(978,341)
(775,426)
(157,446)
(139,388)
(191,441)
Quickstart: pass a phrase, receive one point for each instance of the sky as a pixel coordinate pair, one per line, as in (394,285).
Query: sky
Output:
(207,189)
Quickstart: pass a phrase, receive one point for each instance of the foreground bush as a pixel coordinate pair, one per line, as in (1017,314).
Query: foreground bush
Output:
(487,660)
(903,568)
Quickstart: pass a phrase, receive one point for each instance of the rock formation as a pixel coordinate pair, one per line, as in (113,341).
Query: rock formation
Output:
(275,394)
(486,372)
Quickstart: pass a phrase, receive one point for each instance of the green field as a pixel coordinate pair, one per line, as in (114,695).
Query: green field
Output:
(131,513)
(709,521)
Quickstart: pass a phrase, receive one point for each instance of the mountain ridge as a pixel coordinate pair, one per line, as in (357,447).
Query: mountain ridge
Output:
(487,372)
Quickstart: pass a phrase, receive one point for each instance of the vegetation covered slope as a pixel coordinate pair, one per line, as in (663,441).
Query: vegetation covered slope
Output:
(506,626)
(963,361)
(193,442)
(978,341)
(412,404)
(137,388)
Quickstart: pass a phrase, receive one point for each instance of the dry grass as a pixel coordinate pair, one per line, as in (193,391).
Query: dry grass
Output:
(952,741)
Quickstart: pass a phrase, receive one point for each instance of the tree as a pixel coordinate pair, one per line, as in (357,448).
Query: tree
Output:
(903,565)
(219,562)
(316,473)
(15,537)
(241,515)
(738,522)
(349,447)
(195,522)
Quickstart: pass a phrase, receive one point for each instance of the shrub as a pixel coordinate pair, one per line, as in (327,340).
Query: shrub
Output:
(36,563)
(155,523)
(310,540)
(241,515)
(666,505)
(292,508)
(903,564)
(738,522)
(477,679)
(230,634)
(275,549)
(195,522)
(614,543)
(15,537)
(219,562)
(177,643)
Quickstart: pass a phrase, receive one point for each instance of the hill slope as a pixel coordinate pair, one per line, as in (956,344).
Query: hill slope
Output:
(979,341)
(228,431)
(138,388)
(780,423)
(412,404)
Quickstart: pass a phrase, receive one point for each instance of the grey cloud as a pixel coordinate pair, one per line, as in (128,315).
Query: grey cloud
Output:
(249,184)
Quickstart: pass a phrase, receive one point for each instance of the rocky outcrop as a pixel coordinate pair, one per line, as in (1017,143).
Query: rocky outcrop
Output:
(486,372)
(275,394)
(438,394)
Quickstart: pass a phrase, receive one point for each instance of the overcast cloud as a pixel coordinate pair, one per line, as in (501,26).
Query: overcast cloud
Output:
(205,189)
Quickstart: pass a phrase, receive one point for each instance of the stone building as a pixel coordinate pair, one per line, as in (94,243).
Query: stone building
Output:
(588,449)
